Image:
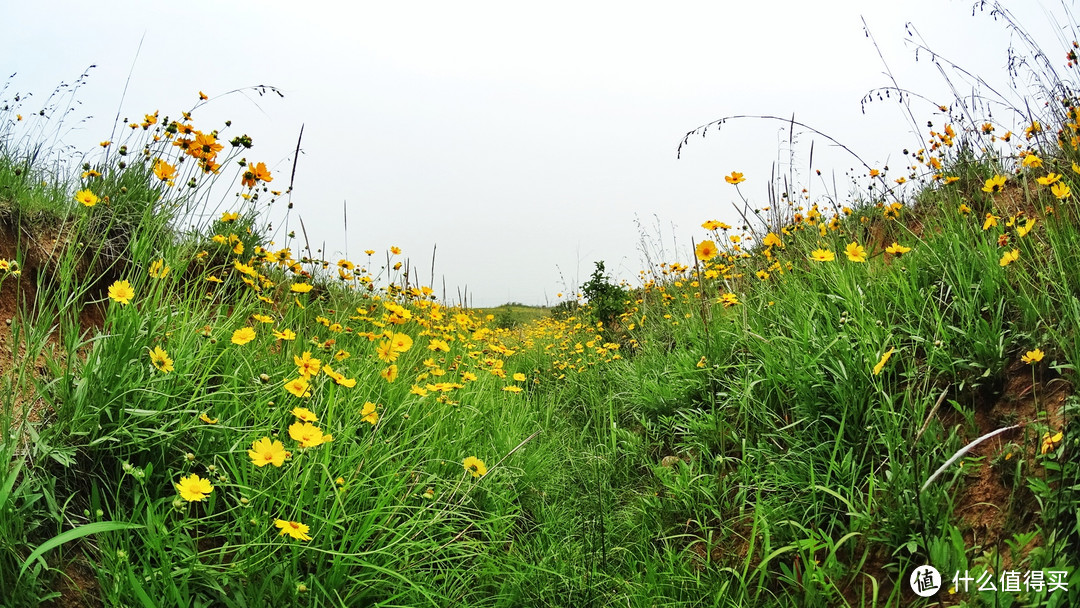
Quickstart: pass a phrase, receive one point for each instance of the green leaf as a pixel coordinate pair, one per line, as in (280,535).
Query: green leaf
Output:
(9,483)
(140,593)
(81,531)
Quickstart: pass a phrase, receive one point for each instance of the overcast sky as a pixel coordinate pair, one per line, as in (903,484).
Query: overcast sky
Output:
(523,139)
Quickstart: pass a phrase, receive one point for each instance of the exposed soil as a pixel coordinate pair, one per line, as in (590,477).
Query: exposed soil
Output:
(989,503)
(75,582)
(18,299)
(722,550)
(78,588)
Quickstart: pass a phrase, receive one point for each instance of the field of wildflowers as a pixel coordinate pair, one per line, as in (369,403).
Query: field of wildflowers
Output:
(197,415)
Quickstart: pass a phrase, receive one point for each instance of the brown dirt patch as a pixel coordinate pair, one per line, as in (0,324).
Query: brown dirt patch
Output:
(1012,201)
(77,586)
(990,505)
(18,298)
(717,549)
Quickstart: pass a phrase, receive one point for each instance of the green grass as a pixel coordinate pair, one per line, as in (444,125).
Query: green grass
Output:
(513,314)
(732,439)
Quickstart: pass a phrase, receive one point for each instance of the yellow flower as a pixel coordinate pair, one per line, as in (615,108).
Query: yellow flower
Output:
(286,334)
(994,184)
(264,452)
(389,374)
(207,419)
(339,378)
(1048,441)
(385,351)
(1061,190)
(706,250)
(1050,178)
(121,292)
(855,252)
(368,414)
(193,488)
(401,342)
(520,377)
(991,221)
(822,255)
(301,287)
(87,198)
(244,268)
(395,250)
(298,387)
(1031,161)
(306,365)
(308,435)
(771,240)
(304,414)
(734,178)
(512,389)
(161,359)
(255,172)
(343,381)
(1009,257)
(1033,356)
(897,249)
(881,363)
(158,269)
(243,335)
(1022,231)
(164,171)
(475,466)
(963,209)
(439,345)
(294,529)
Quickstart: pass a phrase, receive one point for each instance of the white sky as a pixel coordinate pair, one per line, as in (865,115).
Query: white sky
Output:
(523,139)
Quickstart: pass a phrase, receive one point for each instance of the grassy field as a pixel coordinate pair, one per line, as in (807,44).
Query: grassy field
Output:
(512,314)
(801,414)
